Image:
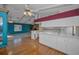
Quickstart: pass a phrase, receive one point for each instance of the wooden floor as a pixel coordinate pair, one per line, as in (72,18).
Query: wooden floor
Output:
(28,47)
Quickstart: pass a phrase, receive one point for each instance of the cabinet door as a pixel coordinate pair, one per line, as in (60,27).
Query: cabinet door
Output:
(3,29)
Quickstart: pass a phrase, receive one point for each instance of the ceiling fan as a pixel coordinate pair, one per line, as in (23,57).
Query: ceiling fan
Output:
(28,10)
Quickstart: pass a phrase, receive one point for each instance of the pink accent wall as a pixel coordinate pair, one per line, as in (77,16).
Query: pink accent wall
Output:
(66,14)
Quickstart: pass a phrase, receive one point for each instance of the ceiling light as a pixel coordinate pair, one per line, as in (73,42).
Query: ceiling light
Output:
(29,13)
(25,13)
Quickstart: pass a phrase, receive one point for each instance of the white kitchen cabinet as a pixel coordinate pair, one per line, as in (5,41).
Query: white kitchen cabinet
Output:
(66,44)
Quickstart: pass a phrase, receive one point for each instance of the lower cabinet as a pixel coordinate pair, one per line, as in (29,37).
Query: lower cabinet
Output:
(66,44)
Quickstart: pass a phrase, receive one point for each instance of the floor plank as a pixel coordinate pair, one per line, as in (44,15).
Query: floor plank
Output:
(29,47)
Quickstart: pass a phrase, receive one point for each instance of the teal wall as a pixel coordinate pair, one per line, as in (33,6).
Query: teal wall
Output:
(25,28)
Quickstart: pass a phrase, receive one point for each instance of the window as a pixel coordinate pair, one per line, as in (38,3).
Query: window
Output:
(17,27)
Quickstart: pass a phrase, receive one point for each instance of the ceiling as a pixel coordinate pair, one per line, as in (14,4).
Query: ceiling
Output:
(16,11)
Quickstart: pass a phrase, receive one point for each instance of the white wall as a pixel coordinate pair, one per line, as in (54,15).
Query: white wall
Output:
(69,30)
(70,21)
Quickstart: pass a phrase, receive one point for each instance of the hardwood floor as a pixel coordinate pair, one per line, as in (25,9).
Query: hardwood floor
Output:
(28,47)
